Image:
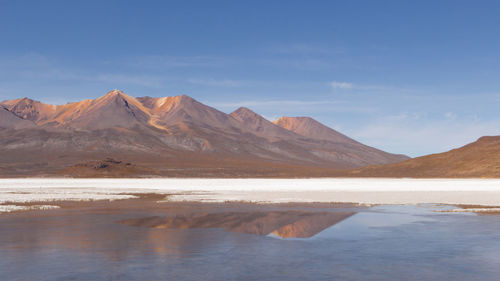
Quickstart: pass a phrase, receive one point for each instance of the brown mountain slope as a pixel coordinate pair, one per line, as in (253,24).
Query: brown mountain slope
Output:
(9,120)
(310,128)
(166,134)
(478,159)
(30,109)
(260,125)
(357,154)
(178,109)
(183,115)
(115,109)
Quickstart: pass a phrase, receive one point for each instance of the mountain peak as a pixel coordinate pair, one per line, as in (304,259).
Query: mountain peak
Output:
(114,109)
(115,93)
(184,98)
(292,120)
(308,127)
(160,106)
(244,114)
(10,120)
(27,108)
(24,100)
(292,123)
(260,124)
(244,111)
(119,97)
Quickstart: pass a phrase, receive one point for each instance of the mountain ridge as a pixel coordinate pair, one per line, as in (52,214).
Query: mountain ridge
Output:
(160,130)
(476,159)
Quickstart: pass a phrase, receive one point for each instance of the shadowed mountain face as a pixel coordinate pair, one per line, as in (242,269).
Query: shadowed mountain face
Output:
(478,159)
(9,120)
(171,135)
(290,224)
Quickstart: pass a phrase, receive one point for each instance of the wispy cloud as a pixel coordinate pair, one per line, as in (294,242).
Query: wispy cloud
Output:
(341,85)
(299,48)
(450,116)
(304,49)
(216,82)
(169,61)
(38,67)
(274,103)
(387,90)
(303,107)
(124,79)
(297,63)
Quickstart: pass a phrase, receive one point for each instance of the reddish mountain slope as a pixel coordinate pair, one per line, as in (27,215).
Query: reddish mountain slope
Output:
(9,120)
(261,126)
(310,128)
(478,159)
(183,114)
(336,146)
(171,132)
(30,109)
(115,109)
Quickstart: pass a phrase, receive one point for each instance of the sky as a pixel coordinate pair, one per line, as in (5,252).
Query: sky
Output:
(411,77)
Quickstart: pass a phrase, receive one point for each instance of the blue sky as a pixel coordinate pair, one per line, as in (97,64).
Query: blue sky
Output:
(413,77)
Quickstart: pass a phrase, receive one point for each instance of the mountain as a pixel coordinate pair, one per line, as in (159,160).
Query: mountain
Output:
(310,128)
(184,109)
(357,154)
(9,120)
(478,159)
(169,136)
(115,109)
(29,109)
(184,115)
(261,126)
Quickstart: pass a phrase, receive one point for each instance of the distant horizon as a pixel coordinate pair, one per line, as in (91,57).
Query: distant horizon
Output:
(242,105)
(399,76)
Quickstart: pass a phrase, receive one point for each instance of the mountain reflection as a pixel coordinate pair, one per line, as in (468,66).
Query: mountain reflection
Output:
(285,224)
(169,236)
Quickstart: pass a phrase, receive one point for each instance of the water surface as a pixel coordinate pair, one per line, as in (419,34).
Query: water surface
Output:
(380,243)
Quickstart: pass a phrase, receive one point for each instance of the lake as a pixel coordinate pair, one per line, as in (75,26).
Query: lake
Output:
(388,242)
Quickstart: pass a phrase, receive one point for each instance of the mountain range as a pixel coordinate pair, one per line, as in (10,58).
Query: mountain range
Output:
(169,136)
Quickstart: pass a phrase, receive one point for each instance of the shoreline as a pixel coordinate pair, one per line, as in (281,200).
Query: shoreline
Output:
(374,191)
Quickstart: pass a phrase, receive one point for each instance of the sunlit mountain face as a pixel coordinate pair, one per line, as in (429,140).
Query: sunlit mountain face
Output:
(170,136)
(477,159)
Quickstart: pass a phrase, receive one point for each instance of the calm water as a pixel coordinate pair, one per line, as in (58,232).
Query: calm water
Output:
(382,243)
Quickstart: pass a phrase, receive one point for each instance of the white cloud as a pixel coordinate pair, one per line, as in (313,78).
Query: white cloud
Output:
(341,85)
(450,115)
